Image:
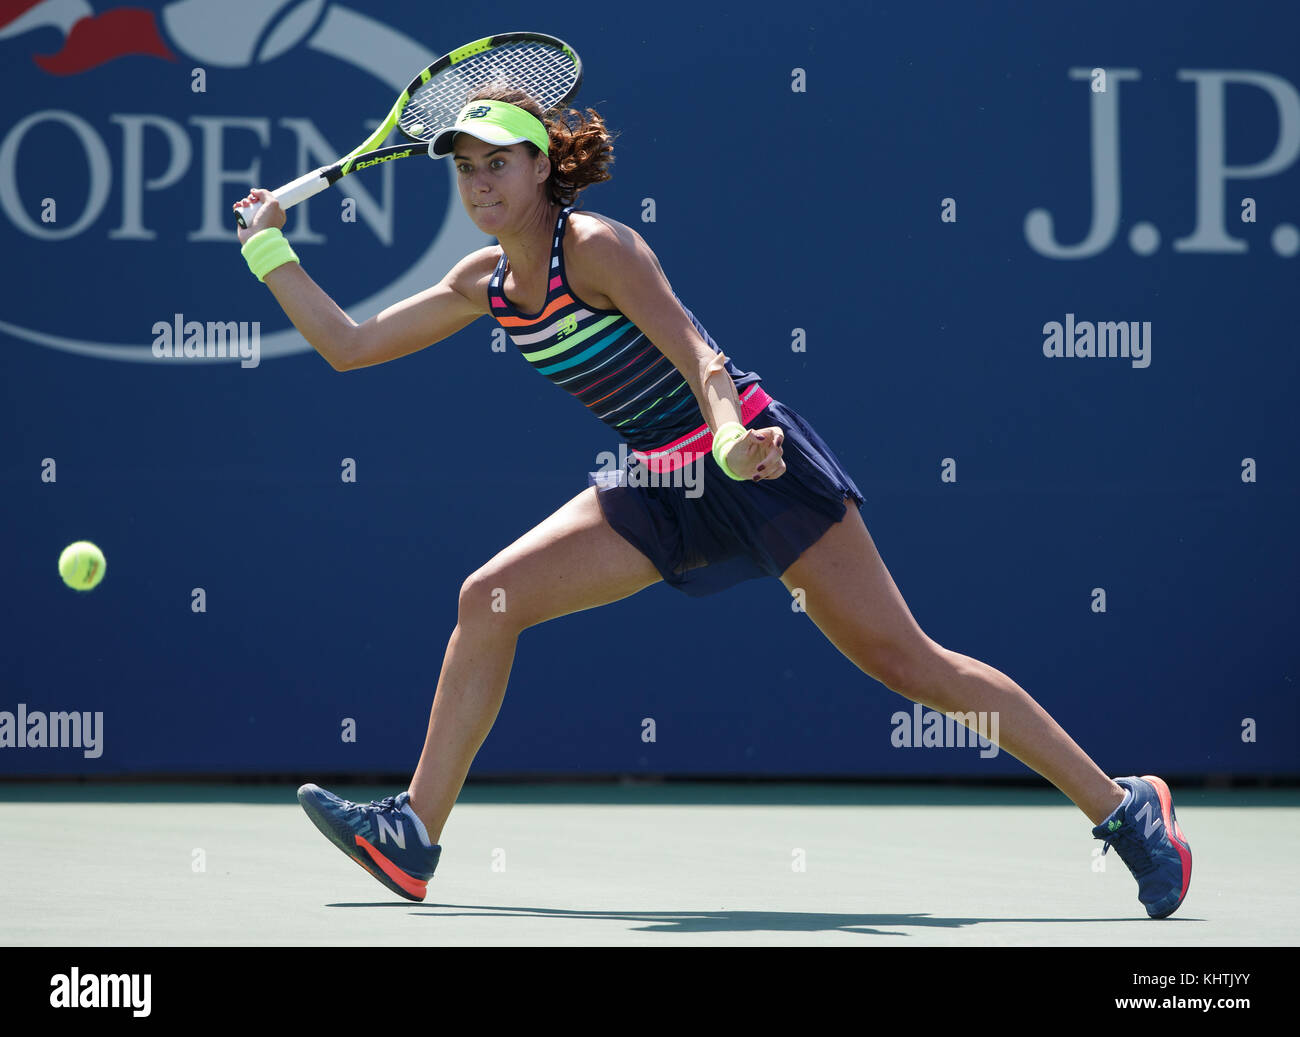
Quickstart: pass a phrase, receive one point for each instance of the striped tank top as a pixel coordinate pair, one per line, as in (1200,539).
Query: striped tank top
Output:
(604,361)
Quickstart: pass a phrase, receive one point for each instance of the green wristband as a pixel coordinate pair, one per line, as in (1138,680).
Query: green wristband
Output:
(727,435)
(266,250)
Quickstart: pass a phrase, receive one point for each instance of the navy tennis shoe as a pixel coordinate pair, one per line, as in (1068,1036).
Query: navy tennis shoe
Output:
(377,835)
(1147,837)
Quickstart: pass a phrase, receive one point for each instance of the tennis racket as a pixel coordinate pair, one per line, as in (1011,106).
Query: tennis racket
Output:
(545,68)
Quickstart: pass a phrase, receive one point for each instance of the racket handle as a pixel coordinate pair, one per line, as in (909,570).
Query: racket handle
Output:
(288,196)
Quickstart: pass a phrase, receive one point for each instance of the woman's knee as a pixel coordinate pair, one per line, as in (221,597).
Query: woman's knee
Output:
(485,601)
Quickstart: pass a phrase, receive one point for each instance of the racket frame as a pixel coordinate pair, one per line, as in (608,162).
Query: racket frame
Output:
(368,153)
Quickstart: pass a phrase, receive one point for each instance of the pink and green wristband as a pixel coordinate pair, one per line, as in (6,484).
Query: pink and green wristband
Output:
(728,434)
(265,251)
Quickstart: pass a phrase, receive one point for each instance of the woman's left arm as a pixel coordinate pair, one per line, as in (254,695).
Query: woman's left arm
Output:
(616,261)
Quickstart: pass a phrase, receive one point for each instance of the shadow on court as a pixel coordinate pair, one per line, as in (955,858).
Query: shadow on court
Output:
(685,922)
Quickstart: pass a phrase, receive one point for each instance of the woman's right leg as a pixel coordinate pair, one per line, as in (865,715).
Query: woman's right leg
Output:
(571,561)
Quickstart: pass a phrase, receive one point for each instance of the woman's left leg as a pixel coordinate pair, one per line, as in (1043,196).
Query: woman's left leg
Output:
(852,598)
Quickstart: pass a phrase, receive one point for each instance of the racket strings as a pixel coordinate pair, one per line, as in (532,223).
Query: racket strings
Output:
(546,74)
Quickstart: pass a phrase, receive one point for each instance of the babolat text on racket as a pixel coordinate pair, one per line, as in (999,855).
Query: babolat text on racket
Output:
(545,68)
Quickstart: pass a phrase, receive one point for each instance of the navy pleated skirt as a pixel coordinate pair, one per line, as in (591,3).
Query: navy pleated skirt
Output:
(706,537)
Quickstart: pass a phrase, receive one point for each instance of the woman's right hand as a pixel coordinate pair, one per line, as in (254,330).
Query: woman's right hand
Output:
(270,215)
(759,455)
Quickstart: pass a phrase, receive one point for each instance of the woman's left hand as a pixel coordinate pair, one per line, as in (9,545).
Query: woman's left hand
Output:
(758,455)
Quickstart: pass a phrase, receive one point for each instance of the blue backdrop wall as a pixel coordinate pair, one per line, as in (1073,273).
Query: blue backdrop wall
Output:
(882,208)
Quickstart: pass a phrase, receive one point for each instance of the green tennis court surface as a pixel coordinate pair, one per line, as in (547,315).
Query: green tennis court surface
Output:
(649,865)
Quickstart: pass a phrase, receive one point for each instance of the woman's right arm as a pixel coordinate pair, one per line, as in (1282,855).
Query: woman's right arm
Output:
(403,328)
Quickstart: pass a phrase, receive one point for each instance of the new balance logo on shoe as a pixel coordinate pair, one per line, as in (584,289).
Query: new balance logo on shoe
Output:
(386,829)
(1150,821)
(1112,825)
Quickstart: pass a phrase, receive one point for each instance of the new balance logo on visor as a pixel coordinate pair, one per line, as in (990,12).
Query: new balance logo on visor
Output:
(386,829)
(477,113)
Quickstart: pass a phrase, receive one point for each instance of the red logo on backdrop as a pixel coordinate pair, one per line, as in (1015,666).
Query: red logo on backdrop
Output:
(92,39)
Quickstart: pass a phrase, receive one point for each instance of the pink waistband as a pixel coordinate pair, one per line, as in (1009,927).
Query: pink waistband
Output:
(697,443)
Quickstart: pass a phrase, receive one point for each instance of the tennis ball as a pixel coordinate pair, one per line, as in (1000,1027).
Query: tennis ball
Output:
(82,565)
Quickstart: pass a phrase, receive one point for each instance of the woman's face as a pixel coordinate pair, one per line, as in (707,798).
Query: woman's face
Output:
(499,184)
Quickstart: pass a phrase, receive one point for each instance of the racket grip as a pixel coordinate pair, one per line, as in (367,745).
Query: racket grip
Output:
(288,196)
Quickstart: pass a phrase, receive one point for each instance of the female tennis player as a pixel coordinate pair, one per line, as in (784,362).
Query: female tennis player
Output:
(586,302)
